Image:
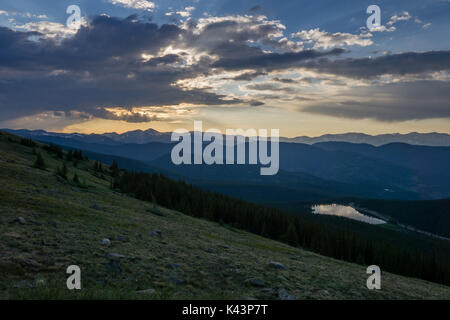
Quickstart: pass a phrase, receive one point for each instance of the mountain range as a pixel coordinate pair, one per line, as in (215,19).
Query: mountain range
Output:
(151,135)
(308,172)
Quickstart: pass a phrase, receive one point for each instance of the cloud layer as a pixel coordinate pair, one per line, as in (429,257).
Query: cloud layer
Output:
(125,64)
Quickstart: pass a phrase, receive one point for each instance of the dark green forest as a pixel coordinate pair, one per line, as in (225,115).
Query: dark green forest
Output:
(428,215)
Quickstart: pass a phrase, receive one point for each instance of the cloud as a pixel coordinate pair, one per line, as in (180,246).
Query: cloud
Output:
(49,29)
(405,16)
(111,64)
(383,28)
(186,12)
(22,14)
(100,66)
(126,63)
(326,40)
(391,64)
(274,61)
(416,100)
(134,4)
(248,76)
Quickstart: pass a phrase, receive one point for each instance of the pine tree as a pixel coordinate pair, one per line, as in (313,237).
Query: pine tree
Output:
(75,178)
(291,236)
(114,169)
(69,155)
(39,163)
(62,172)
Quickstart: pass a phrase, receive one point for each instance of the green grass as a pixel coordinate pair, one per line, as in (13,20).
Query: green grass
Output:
(63,228)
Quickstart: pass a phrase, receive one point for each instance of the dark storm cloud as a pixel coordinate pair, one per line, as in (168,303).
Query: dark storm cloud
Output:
(392,102)
(284,80)
(270,87)
(103,66)
(396,64)
(274,61)
(167,59)
(97,45)
(247,76)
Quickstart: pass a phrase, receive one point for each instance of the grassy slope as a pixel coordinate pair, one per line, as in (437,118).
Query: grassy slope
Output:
(214,260)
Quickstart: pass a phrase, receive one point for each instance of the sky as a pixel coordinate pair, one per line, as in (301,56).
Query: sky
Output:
(304,67)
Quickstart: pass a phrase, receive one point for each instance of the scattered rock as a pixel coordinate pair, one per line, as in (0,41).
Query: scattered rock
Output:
(106,242)
(225,246)
(36,223)
(174,266)
(284,295)
(156,233)
(147,291)
(277,265)
(325,292)
(122,238)
(20,220)
(255,282)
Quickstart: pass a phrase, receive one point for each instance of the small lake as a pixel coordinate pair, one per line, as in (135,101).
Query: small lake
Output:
(344,211)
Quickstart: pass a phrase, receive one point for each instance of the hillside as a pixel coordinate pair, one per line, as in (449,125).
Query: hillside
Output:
(65,222)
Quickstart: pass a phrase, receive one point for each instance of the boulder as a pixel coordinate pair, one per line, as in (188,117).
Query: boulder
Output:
(156,233)
(146,292)
(284,295)
(20,220)
(255,282)
(106,242)
(277,265)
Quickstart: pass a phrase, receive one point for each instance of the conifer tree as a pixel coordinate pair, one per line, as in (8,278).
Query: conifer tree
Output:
(39,163)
